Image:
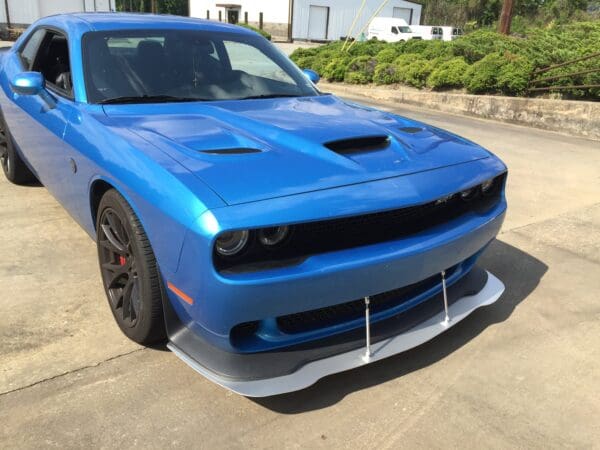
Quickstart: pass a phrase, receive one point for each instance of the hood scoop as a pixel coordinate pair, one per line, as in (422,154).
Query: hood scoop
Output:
(232,151)
(359,144)
(411,130)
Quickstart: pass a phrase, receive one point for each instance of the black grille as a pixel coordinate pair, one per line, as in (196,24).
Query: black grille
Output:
(347,312)
(338,234)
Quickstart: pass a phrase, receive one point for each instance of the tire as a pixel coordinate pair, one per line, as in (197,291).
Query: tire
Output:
(15,170)
(130,274)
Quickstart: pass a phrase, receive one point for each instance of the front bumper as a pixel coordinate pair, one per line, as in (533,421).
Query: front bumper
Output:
(221,302)
(277,372)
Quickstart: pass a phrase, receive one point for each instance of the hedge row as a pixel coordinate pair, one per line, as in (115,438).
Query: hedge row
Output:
(263,33)
(482,62)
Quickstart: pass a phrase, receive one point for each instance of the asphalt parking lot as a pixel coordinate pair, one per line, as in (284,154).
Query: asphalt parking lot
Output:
(524,372)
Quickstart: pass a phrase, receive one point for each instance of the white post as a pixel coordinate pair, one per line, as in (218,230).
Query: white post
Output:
(367,356)
(447,317)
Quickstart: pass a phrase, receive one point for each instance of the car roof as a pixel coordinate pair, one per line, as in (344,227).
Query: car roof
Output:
(79,23)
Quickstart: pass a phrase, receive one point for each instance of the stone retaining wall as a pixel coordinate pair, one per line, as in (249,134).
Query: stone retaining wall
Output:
(576,118)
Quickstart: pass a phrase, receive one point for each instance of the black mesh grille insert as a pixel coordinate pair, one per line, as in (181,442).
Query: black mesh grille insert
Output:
(347,312)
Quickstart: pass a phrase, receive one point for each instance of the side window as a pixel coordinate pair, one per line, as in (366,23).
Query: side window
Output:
(394,30)
(29,51)
(53,62)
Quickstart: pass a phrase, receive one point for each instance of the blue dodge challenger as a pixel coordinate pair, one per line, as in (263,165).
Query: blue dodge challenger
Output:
(271,233)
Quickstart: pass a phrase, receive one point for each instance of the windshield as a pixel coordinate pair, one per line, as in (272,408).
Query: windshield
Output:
(186,65)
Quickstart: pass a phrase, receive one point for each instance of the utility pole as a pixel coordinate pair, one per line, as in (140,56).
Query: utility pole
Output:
(506,17)
(6,9)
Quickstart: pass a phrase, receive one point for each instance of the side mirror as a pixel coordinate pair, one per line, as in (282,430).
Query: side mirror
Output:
(311,75)
(32,83)
(28,83)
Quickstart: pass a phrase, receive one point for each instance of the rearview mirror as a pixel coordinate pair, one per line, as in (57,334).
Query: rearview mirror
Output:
(28,83)
(311,75)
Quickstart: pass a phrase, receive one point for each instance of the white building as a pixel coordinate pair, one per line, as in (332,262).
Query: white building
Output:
(22,13)
(318,20)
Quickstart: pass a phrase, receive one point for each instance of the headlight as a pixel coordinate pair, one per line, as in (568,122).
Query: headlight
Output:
(469,194)
(231,243)
(270,237)
(488,186)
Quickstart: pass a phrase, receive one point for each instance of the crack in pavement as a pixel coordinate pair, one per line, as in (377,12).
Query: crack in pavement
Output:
(69,372)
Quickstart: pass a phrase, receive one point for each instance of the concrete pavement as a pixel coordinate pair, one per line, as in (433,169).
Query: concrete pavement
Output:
(524,372)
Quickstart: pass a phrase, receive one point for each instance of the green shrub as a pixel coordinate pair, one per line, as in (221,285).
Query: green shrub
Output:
(386,73)
(367,48)
(413,46)
(415,71)
(361,70)
(336,69)
(481,43)
(263,33)
(482,77)
(321,60)
(506,73)
(387,55)
(514,76)
(405,59)
(304,52)
(305,62)
(491,63)
(437,49)
(448,74)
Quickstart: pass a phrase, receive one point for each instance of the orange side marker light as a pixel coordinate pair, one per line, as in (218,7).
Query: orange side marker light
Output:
(182,295)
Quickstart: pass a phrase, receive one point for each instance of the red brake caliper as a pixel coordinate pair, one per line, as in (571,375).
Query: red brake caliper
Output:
(122,260)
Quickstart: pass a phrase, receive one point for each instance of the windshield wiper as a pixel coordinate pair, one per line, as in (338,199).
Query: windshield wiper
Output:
(253,97)
(150,99)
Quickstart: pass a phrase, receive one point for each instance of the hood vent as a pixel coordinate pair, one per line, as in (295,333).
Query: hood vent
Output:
(411,130)
(232,151)
(359,144)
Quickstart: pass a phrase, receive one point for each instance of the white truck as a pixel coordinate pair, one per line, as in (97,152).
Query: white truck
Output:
(451,33)
(428,32)
(390,29)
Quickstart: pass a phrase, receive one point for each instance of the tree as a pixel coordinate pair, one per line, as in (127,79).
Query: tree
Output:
(488,12)
(177,7)
(506,17)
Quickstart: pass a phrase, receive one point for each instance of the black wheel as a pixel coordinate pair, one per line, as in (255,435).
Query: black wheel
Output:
(129,271)
(13,166)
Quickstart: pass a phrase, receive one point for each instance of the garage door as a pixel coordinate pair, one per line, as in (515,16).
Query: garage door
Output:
(403,13)
(318,16)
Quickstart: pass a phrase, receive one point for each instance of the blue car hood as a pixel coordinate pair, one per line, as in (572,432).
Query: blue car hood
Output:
(259,149)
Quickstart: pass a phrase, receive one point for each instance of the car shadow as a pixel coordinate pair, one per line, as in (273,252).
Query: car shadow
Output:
(520,272)
(33,184)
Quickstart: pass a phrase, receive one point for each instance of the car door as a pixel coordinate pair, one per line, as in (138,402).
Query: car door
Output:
(38,127)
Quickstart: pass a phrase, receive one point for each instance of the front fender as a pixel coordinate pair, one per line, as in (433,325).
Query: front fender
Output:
(166,198)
